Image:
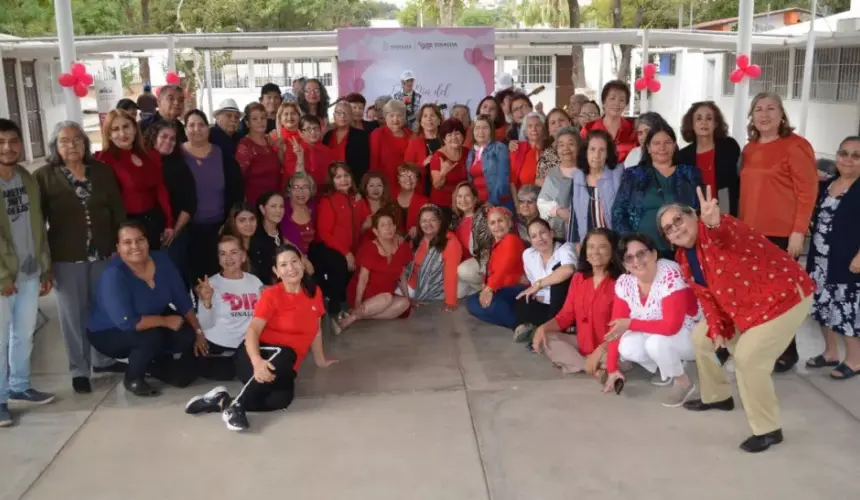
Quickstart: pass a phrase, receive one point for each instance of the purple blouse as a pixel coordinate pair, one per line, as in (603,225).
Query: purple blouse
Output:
(209,181)
(293,232)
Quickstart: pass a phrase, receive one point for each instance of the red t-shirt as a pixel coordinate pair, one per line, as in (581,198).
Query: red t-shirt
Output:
(478,180)
(261,168)
(383,273)
(443,196)
(292,319)
(338,149)
(464,236)
(705,162)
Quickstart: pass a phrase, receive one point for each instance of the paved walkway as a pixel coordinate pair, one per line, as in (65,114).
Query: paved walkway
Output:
(436,407)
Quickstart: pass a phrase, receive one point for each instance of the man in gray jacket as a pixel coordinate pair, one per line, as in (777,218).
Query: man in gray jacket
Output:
(25,273)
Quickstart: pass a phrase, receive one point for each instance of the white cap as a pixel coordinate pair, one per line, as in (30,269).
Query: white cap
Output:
(227,105)
(407,75)
(506,81)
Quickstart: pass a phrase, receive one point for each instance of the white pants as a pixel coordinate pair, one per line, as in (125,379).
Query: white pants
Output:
(653,352)
(470,279)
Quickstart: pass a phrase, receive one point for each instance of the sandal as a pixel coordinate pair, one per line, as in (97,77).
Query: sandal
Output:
(845,372)
(820,362)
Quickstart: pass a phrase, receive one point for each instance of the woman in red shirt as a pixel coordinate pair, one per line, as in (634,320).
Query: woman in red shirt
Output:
(382,265)
(286,325)
(489,106)
(713,150)
(448,165)
(314,157)
(588,306)
(754,297)
(348,143)
(374,196)
(286,136)
(139,176)
(615,97)
(338,230)
(257,155)
(409,201)
(425,142)
(388,143)
(505,275)
(526,152)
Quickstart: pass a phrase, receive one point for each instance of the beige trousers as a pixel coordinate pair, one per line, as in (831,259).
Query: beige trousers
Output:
(754,352)
(470,279)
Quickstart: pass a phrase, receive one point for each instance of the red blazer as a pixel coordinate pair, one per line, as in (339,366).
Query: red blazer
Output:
(142,187)
(505,267)
(338,223)
(625,139)
(590,309)
(750,281)
(388,152)
(416,151)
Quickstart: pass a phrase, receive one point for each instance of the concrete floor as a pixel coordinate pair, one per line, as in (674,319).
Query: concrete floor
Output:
(435,407)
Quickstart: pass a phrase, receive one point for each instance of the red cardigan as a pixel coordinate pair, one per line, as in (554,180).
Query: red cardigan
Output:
(750,281)
(416,151)
(388,152)
(318,157)
(505,267)
(142,187)
(590,308)
(625,138)
(415,203)
(338,222)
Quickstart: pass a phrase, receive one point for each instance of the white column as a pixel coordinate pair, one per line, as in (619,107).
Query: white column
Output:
(633,95)
(806,85)
(171,53)
(207,84)
(680,67)
(66,38)
(601,79)
(4,98)
(742,90)
(22,111)
(644,100)
(252,80)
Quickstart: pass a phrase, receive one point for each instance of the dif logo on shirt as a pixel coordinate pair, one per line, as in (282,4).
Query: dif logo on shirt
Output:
(246,301)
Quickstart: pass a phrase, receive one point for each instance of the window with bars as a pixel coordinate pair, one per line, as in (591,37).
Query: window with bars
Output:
(835,74)
(530,70)
(230,76)
(270,71)
(774,73)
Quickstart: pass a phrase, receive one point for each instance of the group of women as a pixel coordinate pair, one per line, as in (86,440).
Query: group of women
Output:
(542,223)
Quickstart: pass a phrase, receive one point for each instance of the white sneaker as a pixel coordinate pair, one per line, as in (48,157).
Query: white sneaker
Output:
(678,395)
(659,382)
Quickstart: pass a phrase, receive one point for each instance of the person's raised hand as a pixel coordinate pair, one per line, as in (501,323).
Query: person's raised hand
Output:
(709,206)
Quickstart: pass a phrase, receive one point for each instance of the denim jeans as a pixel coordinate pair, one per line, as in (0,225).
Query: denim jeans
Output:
(501,310)
(17,323)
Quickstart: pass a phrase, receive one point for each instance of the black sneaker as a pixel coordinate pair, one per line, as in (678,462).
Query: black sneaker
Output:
(115,367)
(82,385)
(235,418)
(213,401)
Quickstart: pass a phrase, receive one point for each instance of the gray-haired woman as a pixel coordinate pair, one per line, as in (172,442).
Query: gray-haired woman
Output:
(644,123)
(527,209)
(83,209)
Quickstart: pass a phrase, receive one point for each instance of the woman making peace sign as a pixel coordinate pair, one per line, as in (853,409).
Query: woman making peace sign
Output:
(754,297)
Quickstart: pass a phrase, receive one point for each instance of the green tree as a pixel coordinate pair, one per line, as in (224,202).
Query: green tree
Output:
(500,17)
(436,12)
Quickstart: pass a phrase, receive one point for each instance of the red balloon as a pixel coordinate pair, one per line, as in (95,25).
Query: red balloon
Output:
(649,71)
(736,76)
(753,71)
(640,84)
(743,61)
(78,69)
(81,90)
(86,79)
(67,80)
(654,86)
(172,78)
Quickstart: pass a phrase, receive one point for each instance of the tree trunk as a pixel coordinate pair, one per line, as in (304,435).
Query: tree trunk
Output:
(578,63)
(143,62)
(623,70)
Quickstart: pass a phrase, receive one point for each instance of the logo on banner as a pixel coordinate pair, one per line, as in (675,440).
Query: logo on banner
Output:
(396,46)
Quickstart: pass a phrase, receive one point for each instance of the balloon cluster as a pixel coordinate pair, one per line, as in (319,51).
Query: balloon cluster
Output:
(744,69)
(78,79)
(172,78)
(648,80)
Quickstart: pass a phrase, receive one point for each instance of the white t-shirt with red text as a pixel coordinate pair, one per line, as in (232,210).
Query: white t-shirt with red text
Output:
(233,305)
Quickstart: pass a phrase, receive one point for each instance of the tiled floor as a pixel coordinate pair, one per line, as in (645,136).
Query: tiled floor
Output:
(435,407)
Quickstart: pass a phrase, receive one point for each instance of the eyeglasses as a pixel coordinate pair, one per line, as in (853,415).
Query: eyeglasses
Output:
(632,257)
(312,91)
(854,155)
(528,201)
(342,113)
(674,224)
(312,130)
(588,115)
(407,175)
(76,141)
(300,187)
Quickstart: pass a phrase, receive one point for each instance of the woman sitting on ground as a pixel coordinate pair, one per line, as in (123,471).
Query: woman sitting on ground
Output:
(381,266)
(132,315)
(437,255)
(653,319)
(409,200)
(286,324)
(495,303)
(470,226)
(588,306)
(227,302)
(549,265)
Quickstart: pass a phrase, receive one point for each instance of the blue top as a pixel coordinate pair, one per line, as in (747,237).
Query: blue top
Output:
(122,298)
(496,164)
(695,266)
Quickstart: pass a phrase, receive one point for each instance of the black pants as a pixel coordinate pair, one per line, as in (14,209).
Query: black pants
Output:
(537,313)
(219,364)
(202,250)
(151,351)
(153,225)
(790,356)
(331,273)
(275,395)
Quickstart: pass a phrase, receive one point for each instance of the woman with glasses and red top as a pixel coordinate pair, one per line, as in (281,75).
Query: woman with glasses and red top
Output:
(615,97)
(426,141)
(312,156)
(448,165)
(409,200)
(348,143)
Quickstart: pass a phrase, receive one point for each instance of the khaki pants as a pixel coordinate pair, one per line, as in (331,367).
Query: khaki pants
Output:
(754,352)
(470,279)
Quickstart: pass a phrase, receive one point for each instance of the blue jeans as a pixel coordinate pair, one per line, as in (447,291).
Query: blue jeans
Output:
(17,324)
(501,310)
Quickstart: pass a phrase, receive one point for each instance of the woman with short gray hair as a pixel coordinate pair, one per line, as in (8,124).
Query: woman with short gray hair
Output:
(83,208)
(644,123)
(388,143)
(527,209)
